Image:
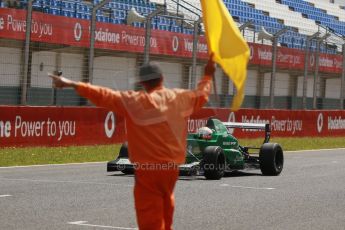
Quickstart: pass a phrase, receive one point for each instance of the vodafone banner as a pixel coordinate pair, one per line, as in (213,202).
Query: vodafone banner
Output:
(76,32)
(61,126)
(294,59)
(284,123)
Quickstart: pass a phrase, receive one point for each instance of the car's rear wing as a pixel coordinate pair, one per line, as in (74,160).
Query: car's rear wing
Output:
(262,126)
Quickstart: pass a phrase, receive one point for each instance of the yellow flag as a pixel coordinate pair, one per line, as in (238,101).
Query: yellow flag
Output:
(225,40)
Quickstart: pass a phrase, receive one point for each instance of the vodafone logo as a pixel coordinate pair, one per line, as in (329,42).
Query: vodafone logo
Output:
(109,124)
(78,31)
(320,122)
(175,43)
(231,118)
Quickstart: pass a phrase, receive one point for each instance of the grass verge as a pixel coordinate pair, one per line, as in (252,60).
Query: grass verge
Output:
(56,155)
(302,143)
(77,154)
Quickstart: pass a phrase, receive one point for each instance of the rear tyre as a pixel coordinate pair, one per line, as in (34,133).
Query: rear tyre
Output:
(213,163)
(271,159)
(124,154)
(123,151)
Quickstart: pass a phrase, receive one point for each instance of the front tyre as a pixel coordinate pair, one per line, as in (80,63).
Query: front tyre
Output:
(271,159)
(213,163)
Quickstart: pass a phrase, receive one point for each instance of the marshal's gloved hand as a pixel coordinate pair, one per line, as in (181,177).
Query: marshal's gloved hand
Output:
(61,82)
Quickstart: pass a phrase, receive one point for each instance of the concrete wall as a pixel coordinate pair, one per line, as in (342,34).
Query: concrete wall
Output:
(310,80)
(251,83)
(333,88)
(114,72)
(42,63)
(172,73)
(10,66)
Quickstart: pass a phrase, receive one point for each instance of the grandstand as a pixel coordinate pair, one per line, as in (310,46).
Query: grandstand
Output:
(60,40)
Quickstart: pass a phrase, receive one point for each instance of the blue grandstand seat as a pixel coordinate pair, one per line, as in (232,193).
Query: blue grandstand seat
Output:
(238,8)
(116,21)
(116,5)
(83,8)
(37,4)
(116,14)
(68,13)
(142,10)
(176,29)
(86,16)
(68,5)
(55,11)
(120,14)
(163,27)
(124,6)
(316,14)
(53,3)
(101,18)
(79,15)
(152,5)
(139,24)
(188,31)
(244,12)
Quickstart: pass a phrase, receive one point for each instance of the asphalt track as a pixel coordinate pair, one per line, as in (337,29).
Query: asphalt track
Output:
(310,194)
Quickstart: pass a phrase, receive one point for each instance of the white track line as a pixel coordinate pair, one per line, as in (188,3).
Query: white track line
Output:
(1,196)
(313,150)
(30,166)
(245,187)
(62,181)
(84,223)
(103,162)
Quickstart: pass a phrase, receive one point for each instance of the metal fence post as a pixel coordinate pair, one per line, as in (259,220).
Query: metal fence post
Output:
(195,52)
(306,67)
(148,34)
(147,40)
(274,69)
(92,37)
(342,88)
(316,73)
(274,64)
(242,28)
(305,77)
(24,80)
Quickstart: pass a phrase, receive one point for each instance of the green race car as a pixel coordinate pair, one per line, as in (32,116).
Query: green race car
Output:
(213,151)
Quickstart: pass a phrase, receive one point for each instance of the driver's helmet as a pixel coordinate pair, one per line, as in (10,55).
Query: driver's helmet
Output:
(205,133)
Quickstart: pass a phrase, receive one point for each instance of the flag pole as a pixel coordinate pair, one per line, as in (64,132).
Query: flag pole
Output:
(215,89)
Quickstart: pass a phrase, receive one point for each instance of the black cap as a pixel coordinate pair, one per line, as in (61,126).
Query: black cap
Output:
(149,71)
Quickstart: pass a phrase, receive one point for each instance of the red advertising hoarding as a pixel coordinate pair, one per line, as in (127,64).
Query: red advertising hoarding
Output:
(294,59)
(63,126)
(76,32)
(284,123)
(59,126)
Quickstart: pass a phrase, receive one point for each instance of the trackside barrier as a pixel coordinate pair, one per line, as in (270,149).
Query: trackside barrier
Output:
(63,126)
(75,32)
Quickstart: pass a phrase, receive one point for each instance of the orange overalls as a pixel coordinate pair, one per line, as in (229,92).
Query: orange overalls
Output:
(156,123)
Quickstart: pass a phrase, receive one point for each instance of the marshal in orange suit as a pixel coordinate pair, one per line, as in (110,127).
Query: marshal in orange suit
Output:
(156,121)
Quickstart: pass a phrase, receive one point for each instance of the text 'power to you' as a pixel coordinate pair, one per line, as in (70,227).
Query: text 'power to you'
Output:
(49,128)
